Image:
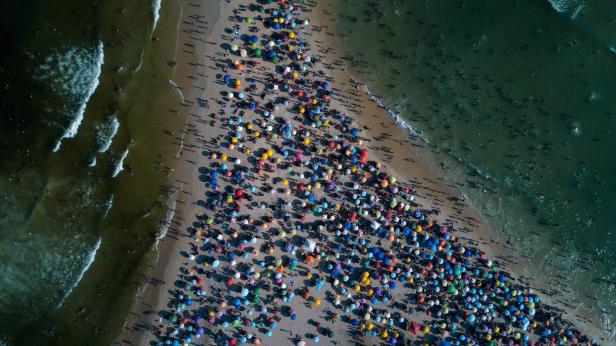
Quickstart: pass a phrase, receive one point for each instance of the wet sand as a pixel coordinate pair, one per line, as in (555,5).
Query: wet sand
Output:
(198,63)
(433,191)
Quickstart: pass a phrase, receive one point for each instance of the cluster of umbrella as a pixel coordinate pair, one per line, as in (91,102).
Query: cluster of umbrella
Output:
(353,223)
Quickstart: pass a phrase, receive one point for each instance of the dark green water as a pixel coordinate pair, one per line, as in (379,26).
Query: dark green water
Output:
(517,100)
(84,162)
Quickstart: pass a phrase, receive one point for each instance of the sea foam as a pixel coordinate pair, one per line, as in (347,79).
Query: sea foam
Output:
(119,166)
(89,260)
(573,7)
(107,204)
(73,72)
(393,114)
(105,133)
(397,118)
(156,9)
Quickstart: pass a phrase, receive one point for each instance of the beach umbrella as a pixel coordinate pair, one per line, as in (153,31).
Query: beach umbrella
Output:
(414,328)
(309,245)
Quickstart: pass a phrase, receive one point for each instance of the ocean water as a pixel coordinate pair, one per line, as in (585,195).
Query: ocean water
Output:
(84,168)
(516,104)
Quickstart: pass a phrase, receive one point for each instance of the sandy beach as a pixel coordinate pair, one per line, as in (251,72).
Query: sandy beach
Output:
(269,226)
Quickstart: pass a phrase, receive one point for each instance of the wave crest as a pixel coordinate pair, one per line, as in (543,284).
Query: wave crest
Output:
(119,166)
(571,7)
(105,133)
(73,73)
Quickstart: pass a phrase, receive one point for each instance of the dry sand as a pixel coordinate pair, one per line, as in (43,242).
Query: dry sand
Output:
(201,32)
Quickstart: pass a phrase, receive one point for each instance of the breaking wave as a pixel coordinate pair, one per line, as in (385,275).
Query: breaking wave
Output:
(156,9)
(73,73)
(119,166)
(393,114)
(399,121)
(105,133)
(89,260)
(571,7)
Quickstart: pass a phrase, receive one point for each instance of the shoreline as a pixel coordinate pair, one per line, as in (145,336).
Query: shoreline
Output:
(151,293)
(385,139)
(492,241)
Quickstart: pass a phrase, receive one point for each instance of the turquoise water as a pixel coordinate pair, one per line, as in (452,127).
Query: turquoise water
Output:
(517,103)
(82,191)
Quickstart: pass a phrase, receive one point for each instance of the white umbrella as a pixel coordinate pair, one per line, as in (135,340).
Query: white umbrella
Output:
(309,245)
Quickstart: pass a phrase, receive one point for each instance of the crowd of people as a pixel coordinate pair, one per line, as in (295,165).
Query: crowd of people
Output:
(301,221)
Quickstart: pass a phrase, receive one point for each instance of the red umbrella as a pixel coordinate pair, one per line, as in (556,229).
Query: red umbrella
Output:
(414,328)
(352,216)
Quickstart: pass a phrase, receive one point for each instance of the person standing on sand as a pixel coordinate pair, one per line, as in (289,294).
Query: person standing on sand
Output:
(440,272)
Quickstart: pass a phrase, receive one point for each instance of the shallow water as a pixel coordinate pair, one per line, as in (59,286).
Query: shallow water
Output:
(516,102)
(84,169)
